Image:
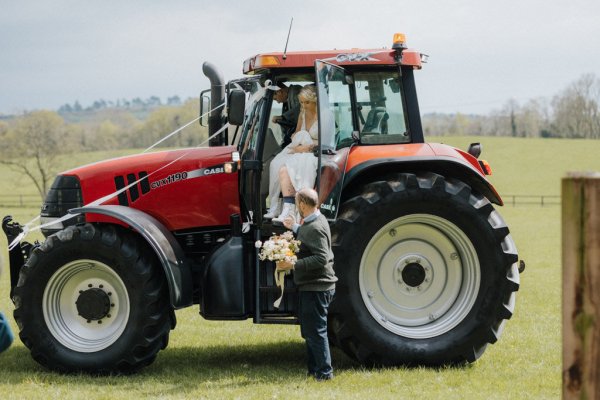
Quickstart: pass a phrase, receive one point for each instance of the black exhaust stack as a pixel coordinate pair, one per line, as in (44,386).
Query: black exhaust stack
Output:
(217,97)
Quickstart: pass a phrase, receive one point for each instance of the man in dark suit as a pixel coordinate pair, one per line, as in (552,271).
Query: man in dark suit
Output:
(315,279)
(289,110)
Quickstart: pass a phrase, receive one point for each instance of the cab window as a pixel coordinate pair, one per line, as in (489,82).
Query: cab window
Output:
(380,109)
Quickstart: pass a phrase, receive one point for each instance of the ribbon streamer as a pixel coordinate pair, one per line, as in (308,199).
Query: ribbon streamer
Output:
(280,282)
(27,227)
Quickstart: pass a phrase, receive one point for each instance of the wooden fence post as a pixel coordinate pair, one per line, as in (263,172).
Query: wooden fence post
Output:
(581,285)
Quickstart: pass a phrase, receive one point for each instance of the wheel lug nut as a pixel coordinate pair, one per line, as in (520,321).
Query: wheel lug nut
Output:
(101,286)
(110,293)
(112,304)
(100,321)
(108,316)
(89,321)
(90,285)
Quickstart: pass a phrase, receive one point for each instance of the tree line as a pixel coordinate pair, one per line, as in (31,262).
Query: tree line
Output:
(572,113)
(135,103)
(33,142)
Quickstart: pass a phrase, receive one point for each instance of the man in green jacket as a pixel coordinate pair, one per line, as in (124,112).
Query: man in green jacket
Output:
(315,279)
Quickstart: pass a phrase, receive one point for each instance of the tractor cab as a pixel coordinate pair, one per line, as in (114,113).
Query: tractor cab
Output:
(365,97)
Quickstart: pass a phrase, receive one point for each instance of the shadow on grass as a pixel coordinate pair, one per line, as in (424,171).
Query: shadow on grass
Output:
(279,360)
(188,369)
(278,357)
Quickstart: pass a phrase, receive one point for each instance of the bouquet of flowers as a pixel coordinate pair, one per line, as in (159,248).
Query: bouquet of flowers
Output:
(279,248)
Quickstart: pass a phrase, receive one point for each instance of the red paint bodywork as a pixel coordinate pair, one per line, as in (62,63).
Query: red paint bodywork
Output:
(360,154)
(306,59)
(208,200)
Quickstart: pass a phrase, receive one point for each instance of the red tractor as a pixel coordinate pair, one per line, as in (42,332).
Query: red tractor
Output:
(427,268)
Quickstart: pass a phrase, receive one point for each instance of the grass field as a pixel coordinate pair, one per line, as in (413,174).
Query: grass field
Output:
(241,360)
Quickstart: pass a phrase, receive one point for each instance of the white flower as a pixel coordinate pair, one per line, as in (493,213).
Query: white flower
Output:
(258,244)
(278,248)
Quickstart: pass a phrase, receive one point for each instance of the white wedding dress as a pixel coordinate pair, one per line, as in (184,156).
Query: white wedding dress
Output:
(302,167)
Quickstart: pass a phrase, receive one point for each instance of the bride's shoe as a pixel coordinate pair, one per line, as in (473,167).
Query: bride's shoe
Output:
(288,210)
(274,211)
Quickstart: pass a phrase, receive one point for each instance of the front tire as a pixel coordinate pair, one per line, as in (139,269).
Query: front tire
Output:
(93,299)
(427,273)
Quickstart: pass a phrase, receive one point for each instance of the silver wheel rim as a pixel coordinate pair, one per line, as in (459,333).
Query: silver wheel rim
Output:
(419,276)
(61,313)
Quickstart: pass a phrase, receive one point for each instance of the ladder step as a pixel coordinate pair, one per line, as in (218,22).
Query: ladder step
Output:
(276,289)
(279,320)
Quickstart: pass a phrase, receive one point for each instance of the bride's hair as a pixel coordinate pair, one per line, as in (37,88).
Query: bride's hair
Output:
(308,93)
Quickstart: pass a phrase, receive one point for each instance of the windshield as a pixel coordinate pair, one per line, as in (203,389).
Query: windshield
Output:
(380,109)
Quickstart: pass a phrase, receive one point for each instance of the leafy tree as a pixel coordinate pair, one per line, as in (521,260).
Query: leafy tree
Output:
(32,147)
(174,101)
(576,110)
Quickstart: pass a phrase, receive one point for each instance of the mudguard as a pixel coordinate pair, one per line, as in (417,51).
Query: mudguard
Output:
(162,241)
(446,166)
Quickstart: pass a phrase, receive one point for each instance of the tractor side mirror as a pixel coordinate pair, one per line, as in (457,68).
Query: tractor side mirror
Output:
(236,106)
(204,107)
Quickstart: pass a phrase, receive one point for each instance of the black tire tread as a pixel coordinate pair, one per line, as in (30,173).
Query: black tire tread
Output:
(149,340)
(374,193)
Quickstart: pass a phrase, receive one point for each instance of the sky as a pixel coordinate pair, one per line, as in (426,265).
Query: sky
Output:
(481,52)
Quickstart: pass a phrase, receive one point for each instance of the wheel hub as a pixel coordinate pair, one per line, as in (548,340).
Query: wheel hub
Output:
(86,305)
(413,274)
(419,276)
(93,304)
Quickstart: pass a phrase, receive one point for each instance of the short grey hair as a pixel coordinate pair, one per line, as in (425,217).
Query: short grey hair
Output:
(308,196)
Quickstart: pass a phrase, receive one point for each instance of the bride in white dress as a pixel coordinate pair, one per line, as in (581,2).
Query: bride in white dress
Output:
(296,165)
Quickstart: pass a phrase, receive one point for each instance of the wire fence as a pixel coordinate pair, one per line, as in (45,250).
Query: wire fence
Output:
(34,200)
(530,199)
(20,200)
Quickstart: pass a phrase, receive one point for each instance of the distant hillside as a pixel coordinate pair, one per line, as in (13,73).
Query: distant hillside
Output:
(102,110)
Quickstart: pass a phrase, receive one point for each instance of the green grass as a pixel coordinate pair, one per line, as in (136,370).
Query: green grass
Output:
(208,359)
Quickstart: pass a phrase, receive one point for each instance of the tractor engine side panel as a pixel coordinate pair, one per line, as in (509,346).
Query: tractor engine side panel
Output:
(194,191)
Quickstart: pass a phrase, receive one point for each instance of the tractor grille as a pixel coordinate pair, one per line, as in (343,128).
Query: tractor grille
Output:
(64,194)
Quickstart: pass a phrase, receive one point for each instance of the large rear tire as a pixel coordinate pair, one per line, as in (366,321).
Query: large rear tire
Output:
(93,299)
(427,273)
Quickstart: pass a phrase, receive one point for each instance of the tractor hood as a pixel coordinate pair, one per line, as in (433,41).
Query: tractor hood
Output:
(181,188)
(152,162)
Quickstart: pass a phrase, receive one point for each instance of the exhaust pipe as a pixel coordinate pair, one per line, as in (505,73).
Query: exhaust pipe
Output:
(217,97)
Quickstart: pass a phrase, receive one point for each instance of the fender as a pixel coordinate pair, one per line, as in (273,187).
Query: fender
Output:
(443,165)
(162,241)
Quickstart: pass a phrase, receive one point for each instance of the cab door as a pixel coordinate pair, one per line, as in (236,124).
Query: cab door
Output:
(337,132)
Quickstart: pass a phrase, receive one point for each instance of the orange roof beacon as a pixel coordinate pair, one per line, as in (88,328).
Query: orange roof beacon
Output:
(427,268)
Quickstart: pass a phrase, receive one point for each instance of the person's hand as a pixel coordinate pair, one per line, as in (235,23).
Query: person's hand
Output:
(276,119)
(284,266)
(301,148)
(289,221)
